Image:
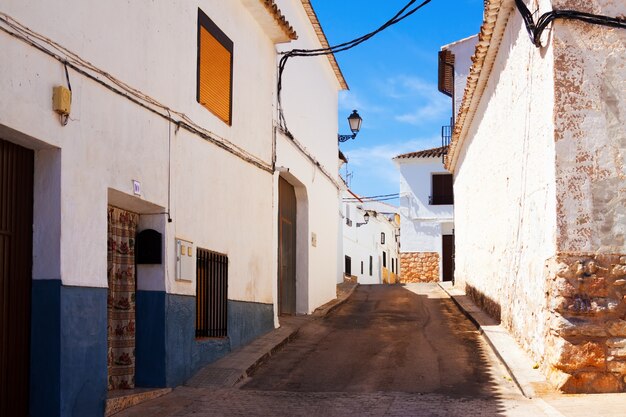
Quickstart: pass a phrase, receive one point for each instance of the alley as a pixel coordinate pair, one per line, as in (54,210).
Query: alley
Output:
(397,350)
(385,338)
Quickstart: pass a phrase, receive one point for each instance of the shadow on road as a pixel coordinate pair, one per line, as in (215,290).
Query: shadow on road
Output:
(398,342)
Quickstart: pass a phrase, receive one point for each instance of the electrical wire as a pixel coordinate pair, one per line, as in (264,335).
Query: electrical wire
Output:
(535,30)
(87,69)
(399,16)
(393,195)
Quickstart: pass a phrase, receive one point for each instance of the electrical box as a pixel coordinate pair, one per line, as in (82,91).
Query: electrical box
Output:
(185,260)
(61,100)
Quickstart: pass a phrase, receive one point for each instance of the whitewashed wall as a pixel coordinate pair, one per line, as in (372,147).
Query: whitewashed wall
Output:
(504,187)
(110,141)
(309,99)
(420,222)
(361,242)
(463,51)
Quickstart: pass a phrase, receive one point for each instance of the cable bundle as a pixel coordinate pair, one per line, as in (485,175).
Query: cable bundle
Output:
(536,29)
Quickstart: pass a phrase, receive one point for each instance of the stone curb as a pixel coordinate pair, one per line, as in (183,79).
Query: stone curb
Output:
(332,305)
(518,365)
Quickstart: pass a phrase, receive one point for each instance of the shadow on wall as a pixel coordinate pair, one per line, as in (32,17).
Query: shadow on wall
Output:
(486,303)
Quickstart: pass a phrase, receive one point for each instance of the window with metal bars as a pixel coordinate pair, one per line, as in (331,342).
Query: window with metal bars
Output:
(211,294)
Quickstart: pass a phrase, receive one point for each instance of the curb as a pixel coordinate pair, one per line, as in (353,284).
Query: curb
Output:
(518,373)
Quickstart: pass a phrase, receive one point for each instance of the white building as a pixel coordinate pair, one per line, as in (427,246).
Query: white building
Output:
(370,240)
(171,132)
(539,180)
(426,217)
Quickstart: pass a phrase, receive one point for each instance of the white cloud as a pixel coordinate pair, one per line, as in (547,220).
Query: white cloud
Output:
(376,161)
(426,102)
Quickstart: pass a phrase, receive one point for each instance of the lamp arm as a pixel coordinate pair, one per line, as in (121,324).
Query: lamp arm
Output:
(345,138)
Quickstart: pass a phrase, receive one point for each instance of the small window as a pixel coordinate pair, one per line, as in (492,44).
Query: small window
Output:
(348,265)
(211,294)
(371,265)
(382,238)
(442,190)
(215,69)
(384,259)
(361,267)
(393,266)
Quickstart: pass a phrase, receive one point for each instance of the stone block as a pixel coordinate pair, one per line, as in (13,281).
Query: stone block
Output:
(617,367)
(572,357)
(591,382)
(616,342)
(564,288)
(596,287)
(618,270)
(576,327)
(617,328)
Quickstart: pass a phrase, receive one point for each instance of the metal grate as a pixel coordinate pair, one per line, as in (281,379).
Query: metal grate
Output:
(211,294)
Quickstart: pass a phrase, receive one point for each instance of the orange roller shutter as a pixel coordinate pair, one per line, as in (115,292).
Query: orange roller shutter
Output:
(215,72)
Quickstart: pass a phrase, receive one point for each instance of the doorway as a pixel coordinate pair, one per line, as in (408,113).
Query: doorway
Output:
(16,241)
(286,248)
(122,229)
(447,255)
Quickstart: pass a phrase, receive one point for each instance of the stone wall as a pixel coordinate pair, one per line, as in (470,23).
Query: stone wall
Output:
(586,340)
(419,267)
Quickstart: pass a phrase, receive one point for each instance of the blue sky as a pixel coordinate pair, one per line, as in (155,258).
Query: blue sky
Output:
(393,80)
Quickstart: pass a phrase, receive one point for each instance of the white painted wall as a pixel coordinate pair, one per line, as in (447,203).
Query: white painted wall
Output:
(309,99)
(504,185)
(359,243)
(420,222)
(217,201)
(463,51)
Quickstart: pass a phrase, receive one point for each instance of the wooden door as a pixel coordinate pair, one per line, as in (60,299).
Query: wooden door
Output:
(286,248)
(16,237)
(447,254)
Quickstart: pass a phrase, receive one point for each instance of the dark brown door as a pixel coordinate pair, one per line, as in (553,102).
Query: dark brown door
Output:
(286,248)
(447,254)
(16,237)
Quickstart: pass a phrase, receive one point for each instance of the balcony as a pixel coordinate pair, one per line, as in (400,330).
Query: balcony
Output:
(446,135)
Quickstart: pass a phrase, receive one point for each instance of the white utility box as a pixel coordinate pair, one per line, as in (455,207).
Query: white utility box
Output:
(185,260)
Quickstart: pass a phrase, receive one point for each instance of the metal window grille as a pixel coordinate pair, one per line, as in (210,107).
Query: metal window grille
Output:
(211,294)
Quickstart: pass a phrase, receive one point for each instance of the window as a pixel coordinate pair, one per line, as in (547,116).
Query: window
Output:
(382,238)
(361,267)
(441,189)
(371,265)
(348,269)
(215,69)
(384,259)
(393,266)
(211,294)
(348,220)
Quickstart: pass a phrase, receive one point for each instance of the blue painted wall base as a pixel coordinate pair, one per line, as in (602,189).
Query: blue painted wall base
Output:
(68,350)
(68,371)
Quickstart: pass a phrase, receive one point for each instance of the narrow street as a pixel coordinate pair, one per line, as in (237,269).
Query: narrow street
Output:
(388,351)
(385,338)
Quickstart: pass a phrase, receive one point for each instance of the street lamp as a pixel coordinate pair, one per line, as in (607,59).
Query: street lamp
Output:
(366,219)
(355,125)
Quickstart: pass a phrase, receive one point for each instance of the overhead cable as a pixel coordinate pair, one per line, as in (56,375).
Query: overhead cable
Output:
(399,16)
(535,30)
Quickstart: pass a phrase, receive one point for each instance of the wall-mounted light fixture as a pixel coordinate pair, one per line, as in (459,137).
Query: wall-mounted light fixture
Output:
(366,219)
(354,120)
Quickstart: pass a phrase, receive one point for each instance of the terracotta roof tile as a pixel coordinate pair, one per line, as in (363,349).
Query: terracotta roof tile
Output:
(308,8)
(282,22)
(427,153)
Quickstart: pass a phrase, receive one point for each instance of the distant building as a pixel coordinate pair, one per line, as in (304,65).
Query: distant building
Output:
(426,217)
(370,240)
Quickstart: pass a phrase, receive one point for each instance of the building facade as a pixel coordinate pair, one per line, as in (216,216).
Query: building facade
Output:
(538,161)
(426,217)
(370,241)
(147,207)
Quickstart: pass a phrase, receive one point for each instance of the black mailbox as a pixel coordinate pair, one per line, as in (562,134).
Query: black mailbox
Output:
(149,247)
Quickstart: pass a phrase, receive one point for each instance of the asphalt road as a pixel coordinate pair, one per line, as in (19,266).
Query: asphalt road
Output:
(385,338)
